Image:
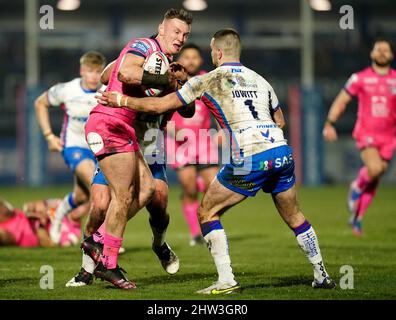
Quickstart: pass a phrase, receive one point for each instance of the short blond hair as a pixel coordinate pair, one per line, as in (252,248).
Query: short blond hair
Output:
(93,58)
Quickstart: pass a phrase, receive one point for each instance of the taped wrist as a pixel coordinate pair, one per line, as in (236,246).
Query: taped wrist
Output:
(157,81)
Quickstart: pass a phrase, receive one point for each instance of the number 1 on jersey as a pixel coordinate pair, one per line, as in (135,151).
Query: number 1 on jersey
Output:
(254,113)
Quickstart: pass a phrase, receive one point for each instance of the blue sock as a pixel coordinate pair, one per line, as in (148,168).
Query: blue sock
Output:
(70,199)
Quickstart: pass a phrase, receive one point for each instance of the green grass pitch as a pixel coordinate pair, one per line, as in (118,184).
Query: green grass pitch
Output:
(265,256)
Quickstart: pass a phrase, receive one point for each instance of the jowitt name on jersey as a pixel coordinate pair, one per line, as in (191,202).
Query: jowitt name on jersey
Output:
(244,94)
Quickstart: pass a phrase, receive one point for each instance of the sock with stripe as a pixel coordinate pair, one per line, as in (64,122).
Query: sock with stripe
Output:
(308,242)
(65,207)
(216,239)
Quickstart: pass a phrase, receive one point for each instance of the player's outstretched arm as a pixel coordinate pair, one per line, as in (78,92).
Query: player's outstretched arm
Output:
(155,105)
(41,107)
(336,110)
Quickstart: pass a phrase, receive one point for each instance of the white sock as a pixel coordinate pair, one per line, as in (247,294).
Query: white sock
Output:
(64,207)
(218,247)
(308,242)
(88,264)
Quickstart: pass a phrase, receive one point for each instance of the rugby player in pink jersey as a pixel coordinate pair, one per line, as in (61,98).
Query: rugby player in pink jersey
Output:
(192,155)
(30,227)
(375,128)
(112,138)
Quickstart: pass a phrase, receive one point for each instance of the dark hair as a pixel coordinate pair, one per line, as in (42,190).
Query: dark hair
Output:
(383,39)
(226,32)
(190,46)
(180,14)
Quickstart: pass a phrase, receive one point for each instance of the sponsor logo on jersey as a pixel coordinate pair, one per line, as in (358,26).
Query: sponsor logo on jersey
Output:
(267,136)
(391,81)
(370,80)
(141,46)
(235,70)
(81,119)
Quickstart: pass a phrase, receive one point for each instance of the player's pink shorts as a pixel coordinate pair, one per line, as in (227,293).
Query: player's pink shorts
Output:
(385,145)
(107,134)
(182,153)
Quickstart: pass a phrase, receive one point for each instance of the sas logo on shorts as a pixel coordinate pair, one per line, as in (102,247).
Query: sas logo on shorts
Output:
(95,142)
(277,163)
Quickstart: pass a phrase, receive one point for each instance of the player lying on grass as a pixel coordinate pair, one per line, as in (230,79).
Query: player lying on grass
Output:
(76,98)
(375,128)
(244,103)
(30,227)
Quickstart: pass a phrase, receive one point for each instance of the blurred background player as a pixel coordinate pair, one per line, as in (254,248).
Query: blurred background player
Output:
(30,227)
(245,104)
(77,99)
(192,158)
(375,128)
(120,159)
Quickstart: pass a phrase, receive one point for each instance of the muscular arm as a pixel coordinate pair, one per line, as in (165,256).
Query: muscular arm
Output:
(6,238)
(336,110)
(131,69)
(105,76)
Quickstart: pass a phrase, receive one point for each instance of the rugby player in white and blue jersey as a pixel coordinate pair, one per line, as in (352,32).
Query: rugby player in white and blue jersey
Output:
(245,104)
(77,99)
